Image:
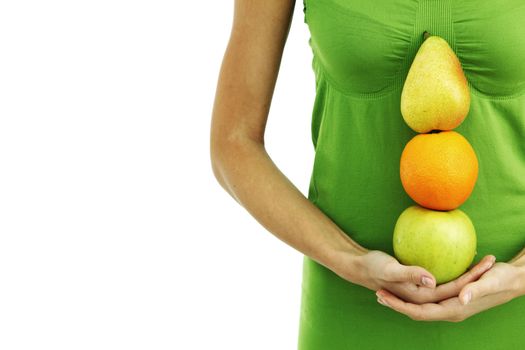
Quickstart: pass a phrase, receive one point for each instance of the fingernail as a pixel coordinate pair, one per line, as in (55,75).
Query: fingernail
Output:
(382,302)
(467,298)
(489,264)
(427,281)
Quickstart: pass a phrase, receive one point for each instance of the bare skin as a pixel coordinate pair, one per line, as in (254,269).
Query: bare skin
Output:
(244,169)
(499,285)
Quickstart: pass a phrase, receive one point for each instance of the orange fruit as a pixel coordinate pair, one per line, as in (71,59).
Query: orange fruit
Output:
(439,170)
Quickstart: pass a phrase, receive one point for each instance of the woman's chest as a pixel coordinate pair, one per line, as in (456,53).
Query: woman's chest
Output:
(367,46)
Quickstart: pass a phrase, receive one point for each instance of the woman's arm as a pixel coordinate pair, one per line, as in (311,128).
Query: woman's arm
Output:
(519,259)
(244,169)
(239,159)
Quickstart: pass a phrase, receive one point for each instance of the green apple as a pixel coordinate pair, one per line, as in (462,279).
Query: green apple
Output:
(443,242)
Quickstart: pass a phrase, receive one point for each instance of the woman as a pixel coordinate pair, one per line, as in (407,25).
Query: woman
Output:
(362,51)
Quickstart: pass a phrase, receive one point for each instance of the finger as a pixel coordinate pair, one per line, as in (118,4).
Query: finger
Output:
(410,292)
(453,288)
(478,289)
(413,274)
(423,312)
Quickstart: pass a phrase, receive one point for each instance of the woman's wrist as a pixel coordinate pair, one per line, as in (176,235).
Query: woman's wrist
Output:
(519,264)
(345,261)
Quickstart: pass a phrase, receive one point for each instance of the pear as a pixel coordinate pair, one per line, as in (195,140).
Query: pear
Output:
(435,94)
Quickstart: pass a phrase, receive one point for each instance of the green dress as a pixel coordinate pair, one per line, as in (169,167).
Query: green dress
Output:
(362,50)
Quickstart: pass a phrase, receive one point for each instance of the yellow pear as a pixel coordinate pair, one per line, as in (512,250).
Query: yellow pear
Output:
(435,95)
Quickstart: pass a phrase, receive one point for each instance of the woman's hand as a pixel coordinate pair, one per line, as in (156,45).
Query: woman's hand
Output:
(375,270)
(379,271)
(502,283)
(444,291)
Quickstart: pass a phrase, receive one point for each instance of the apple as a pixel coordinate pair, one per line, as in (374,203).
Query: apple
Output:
(442,242)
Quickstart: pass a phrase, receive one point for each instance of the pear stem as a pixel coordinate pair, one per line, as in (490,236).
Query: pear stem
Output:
(426,35)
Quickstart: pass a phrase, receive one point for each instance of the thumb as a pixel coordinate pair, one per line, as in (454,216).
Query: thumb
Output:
(478,289)
(412,274)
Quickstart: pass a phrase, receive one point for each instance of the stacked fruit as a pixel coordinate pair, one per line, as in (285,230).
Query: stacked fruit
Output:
(438,166)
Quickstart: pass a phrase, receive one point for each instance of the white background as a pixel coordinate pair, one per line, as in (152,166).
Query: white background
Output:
(114,234)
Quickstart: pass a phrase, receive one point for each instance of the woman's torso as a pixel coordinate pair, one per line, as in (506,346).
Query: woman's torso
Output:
(362,51)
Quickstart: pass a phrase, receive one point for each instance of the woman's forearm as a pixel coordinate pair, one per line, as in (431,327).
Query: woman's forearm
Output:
(245,170)
(240,162)
(519,262)
(519,259)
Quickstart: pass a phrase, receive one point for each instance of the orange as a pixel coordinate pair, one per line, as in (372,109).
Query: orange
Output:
(439,170)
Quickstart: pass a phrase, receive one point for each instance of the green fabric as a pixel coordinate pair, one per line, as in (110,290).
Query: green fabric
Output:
(362,51)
